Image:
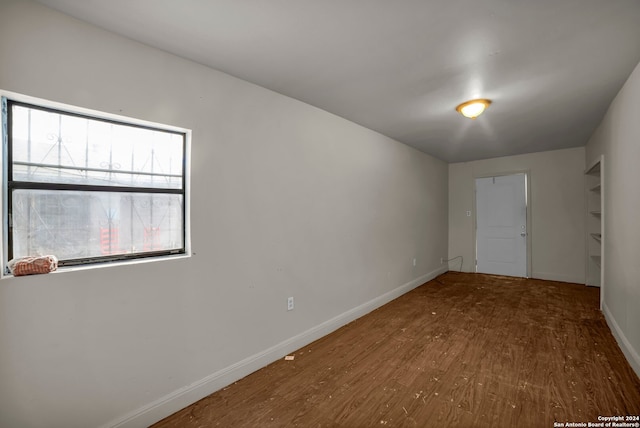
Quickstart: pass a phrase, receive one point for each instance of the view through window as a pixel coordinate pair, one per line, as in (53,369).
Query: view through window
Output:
(87,189)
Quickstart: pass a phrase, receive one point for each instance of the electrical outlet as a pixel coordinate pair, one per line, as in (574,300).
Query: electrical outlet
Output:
(441,260)
(414,262)
(290,304)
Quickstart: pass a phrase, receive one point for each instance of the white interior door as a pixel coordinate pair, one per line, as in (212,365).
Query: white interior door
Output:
(501,225)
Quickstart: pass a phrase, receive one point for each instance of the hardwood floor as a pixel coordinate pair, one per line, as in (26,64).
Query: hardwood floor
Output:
(463,350)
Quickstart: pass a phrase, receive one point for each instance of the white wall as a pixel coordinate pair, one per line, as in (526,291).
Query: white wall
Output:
(557,206)
(287,200)
(618,139)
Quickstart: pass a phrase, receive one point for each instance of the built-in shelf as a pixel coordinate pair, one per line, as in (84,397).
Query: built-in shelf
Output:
(595,217)
(594,169)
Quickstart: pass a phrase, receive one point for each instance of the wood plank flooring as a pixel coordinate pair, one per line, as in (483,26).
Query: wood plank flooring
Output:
(463,350)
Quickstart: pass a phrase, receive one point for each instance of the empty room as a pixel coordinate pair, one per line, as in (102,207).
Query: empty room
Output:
(305,213)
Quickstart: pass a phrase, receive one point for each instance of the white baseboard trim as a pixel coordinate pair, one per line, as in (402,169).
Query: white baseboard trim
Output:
(180,398)
(558,277)
(627,349)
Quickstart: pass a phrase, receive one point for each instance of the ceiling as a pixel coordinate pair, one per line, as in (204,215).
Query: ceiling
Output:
(551,67)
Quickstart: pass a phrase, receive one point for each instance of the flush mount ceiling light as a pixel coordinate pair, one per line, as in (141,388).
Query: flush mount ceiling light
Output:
(473,108)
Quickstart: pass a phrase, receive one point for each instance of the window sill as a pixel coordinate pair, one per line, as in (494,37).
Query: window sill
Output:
(118,263)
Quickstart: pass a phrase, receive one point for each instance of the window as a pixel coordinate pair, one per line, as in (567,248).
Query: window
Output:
(90,189)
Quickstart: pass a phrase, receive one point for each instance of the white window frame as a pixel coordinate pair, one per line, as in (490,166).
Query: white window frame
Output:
(8,96)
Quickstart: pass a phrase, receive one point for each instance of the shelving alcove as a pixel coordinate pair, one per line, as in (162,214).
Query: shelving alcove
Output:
(594,181)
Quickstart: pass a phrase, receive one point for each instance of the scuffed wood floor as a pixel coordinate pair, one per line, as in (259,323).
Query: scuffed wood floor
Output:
(463,350)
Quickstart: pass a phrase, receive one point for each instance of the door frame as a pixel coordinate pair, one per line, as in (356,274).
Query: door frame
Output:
(528,202)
